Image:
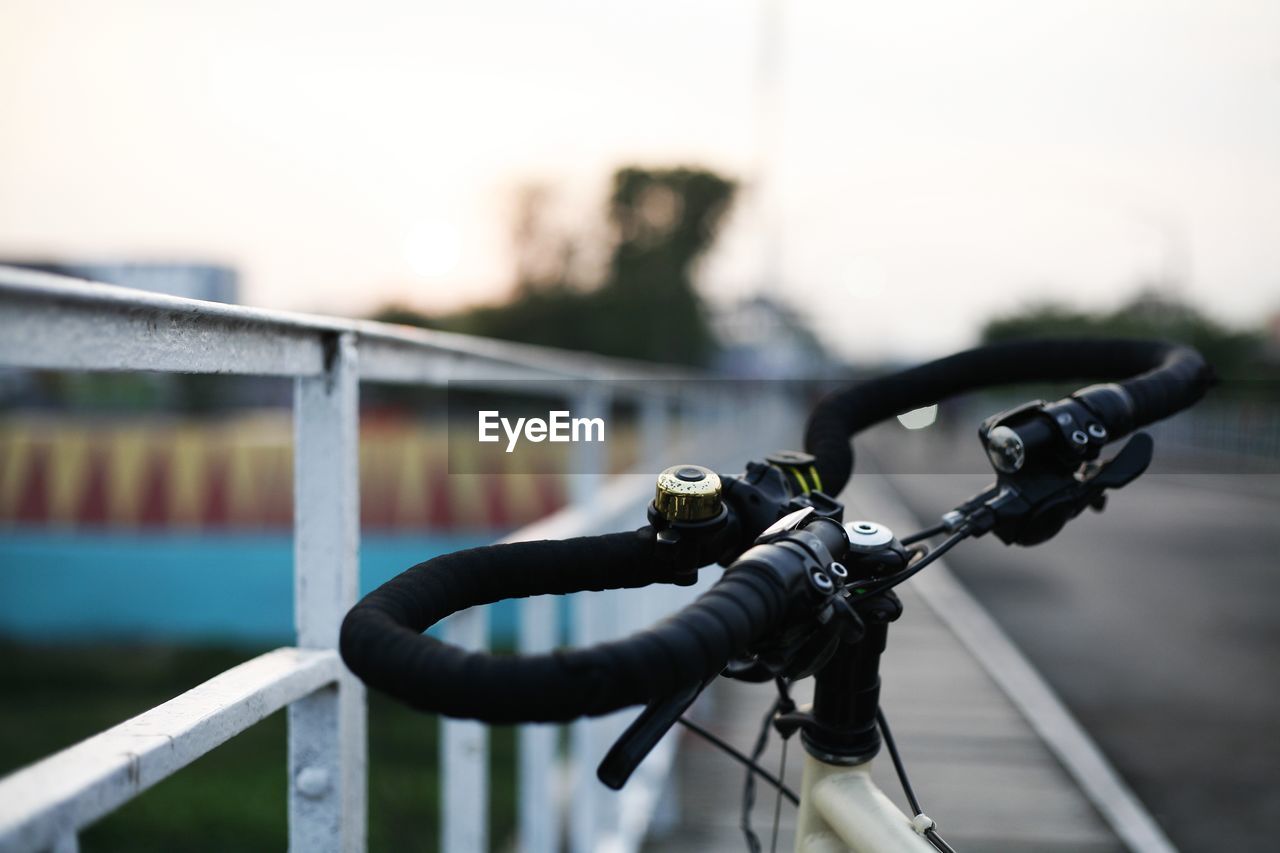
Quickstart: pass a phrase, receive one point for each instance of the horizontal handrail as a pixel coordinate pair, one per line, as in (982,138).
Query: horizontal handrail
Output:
(52,798)
(56,322)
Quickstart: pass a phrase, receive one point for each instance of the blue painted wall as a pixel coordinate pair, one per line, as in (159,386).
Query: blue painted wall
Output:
(188,587)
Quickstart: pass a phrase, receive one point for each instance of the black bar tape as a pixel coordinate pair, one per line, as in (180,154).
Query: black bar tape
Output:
(1160,378)
(382,640)
(1176,383)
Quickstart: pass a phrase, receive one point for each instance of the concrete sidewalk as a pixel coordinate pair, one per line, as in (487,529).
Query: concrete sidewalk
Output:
(980,766)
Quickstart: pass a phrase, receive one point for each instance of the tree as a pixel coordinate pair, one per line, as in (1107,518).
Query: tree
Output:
(661,221)
(1234,353)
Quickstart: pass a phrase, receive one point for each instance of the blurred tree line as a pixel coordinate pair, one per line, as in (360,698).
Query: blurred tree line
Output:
(643,303)
(639,303)
(1240,357)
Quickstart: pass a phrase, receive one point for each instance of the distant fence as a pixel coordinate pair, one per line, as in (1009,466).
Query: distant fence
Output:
(1243,429)
(47,322)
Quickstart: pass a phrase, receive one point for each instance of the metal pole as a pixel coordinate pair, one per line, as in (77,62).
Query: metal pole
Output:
(327,737)
(539,823)
(592,813)
(464,755)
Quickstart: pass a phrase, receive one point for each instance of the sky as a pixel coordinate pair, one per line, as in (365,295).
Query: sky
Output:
(909,168)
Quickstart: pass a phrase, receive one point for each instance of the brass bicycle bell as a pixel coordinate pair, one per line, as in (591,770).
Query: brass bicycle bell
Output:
(687,493)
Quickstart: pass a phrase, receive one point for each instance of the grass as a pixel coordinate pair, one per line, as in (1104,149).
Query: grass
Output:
(234,797)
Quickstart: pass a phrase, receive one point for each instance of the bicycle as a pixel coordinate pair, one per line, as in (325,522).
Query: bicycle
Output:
(803,592)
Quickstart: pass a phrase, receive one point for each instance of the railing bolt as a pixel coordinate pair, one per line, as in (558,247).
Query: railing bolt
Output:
(313,782)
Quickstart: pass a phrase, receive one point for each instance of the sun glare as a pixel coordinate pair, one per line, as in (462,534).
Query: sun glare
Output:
(433,248)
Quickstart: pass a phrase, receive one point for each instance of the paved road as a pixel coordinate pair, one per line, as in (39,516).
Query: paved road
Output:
(976,764)
(1158,622)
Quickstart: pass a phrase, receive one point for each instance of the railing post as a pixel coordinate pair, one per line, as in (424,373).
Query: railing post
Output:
(539,822)
(652,603)
(592,811)
(655,437)
(69,843)
(327,737)
(464,755)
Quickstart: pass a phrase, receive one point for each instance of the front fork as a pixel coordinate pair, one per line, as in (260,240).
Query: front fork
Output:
(842,811)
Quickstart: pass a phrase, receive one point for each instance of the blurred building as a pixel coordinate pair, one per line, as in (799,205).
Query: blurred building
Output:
(762,338)
(210,282)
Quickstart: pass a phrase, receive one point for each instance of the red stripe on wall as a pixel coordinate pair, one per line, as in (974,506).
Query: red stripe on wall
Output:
(92,508)
(549,487)
(217,498)
(33,497)
(496,501)
(379,487)
(440,514)
(153,510)
(277,510)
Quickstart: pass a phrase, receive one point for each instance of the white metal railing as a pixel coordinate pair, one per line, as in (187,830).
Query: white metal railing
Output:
(51,322)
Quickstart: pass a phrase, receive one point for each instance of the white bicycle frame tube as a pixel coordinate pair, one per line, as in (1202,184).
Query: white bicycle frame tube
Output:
(843,811)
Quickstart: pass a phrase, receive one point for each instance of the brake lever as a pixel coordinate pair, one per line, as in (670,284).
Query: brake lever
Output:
(1030,506)
(1126,466)
(639,739)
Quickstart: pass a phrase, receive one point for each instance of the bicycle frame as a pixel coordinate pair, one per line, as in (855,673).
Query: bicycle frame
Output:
(843,811)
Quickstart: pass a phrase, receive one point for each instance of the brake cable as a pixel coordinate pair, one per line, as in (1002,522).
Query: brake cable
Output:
(928,532)
(919,819)
(784,704)
(777,803)
(742,759)
(749,784)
